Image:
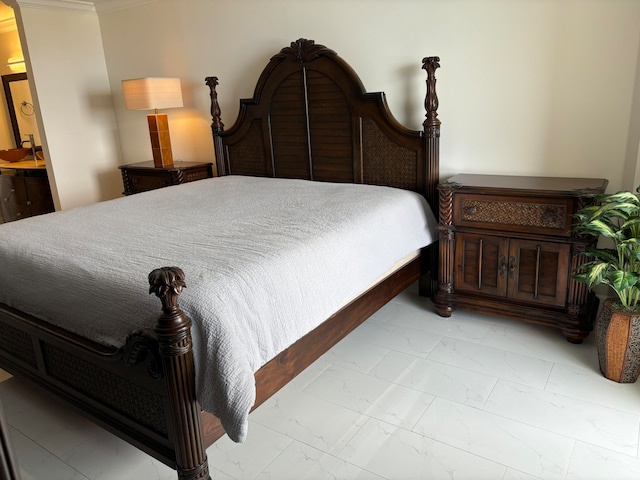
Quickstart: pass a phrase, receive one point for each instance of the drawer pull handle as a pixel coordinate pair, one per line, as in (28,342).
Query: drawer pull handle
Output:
(512,267)
(480,247)
(503,267)
(470,210)
(547,217)
(537,280)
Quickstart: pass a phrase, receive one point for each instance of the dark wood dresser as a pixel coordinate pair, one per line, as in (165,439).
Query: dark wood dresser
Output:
(24,190)
(140,177)
(507,248)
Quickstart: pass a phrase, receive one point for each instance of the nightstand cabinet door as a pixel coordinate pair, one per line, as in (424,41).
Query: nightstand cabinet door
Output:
(537,271)
(481,264)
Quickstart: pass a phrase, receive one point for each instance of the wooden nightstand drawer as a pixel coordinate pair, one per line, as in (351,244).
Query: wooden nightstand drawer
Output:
(142,181)
(140,177)
(540,215)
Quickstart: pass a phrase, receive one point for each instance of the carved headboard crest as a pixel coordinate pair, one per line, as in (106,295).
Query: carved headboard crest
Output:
(304,51)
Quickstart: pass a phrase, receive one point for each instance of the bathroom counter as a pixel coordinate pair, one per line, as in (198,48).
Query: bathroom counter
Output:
(28,164)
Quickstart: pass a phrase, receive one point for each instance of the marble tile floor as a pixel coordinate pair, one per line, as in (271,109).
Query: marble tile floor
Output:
(408,395)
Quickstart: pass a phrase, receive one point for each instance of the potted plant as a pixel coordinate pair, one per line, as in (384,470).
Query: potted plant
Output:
(616,263)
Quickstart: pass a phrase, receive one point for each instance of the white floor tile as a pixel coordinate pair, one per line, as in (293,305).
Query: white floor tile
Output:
(595,463)
(568,416)
(407,340)
(458,384)
(395,453)
(300,461)
(247,460)
(512,474)
(376,398)
(541,342)
(527,449)
(463,326)
(104,456)
(589,384)
(355,353)
(56,427)
(492,361)
(36,463)
(308,419)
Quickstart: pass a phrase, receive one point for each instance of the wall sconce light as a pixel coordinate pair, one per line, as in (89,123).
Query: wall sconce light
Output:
(153,93)
(16,64)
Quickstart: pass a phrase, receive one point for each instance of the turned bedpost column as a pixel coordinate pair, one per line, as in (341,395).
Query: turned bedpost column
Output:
(173,331)
(431,126)
(446,241)
(217,127)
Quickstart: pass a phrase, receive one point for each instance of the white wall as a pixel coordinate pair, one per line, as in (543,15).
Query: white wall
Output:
(71,89)
(526,87)
(542,87)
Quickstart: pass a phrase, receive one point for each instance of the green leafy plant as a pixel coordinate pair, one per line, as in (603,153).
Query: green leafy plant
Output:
(615,216)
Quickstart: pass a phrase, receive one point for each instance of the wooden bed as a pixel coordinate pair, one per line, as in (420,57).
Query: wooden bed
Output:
(310,118)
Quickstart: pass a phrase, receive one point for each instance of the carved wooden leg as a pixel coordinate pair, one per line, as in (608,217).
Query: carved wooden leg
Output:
(173,331)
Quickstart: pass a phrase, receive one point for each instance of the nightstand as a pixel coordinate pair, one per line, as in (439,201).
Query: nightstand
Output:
(507,248)
(140,177)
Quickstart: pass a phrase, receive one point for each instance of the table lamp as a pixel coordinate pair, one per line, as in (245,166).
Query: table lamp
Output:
(153,93)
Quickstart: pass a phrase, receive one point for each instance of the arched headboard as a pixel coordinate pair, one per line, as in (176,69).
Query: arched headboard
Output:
(311,118)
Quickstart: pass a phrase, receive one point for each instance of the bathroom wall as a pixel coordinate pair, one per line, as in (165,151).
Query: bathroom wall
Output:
(9,48)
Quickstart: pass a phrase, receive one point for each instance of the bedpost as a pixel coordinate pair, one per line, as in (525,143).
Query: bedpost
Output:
(217,127)
(173,330)
(432,132)
(431,125)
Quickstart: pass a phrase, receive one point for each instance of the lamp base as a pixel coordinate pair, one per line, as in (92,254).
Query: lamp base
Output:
(160,140)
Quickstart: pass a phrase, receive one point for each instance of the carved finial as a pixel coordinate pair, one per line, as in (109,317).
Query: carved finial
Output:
(430,64)
(167,283)
(216,122)
(304,51)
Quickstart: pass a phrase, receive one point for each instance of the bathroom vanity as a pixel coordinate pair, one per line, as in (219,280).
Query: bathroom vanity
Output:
(24,190)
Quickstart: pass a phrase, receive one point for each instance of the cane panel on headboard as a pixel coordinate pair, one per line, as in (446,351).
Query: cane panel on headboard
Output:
(311,118)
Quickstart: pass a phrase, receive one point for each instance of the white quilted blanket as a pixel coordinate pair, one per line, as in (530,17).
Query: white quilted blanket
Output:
(266,260)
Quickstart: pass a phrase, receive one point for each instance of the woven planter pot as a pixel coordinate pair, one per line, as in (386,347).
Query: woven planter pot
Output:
(618,340)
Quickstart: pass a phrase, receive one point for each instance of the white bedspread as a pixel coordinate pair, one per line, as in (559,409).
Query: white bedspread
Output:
(266,260)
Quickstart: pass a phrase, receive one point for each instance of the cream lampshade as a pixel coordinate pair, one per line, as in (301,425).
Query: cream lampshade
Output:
(154,93)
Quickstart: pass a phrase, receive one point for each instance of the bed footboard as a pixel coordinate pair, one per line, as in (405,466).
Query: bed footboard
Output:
(143,392)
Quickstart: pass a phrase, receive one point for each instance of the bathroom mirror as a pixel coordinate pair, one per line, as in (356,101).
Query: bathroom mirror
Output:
(20,107)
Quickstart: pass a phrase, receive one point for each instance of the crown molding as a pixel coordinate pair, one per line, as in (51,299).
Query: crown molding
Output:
(78,6)
(107,6)
(75,6)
